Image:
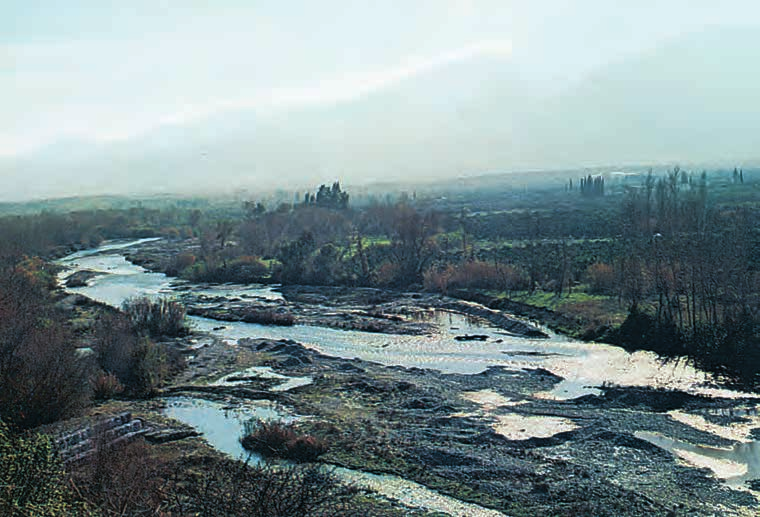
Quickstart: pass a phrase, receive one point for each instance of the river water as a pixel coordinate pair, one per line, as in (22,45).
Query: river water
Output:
(584,366)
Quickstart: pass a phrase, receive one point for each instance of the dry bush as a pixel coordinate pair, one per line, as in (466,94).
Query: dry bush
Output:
(139,364)
(179,263)
(156,318)
(230,488)
(601,278)
(122,479)
(106,386)
(388,274)
(135,479)
(269,317)
(114,342)
(476,274)
(149,368)
(281,441)
(42,378)
(437,279)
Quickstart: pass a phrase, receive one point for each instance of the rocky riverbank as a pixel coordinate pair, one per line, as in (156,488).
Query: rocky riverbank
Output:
(350,308)
(362,309)
(489,439)
(498,438)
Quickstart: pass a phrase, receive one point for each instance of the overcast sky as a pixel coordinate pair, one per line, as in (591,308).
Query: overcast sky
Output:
(104,70)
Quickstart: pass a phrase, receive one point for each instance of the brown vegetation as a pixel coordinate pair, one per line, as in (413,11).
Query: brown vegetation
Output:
(269,317)
(476,275)
(128,360)
(42,378)
(281,441)
(601,278)
(136,479)
(156,317)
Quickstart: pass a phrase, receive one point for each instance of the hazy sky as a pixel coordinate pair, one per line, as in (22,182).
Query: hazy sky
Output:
(104,70)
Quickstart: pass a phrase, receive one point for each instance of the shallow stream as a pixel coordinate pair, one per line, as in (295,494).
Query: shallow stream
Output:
(584,366)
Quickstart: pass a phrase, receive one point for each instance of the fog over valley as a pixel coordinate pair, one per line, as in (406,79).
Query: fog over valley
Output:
(481,95)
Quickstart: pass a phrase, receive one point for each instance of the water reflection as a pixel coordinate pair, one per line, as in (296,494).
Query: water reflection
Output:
(222,426)
(118,281)
(263,372)
(736,465)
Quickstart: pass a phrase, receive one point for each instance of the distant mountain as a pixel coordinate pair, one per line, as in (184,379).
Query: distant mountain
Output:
(694,99)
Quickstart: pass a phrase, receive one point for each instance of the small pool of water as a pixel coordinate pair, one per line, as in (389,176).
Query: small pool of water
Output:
(514,426)
(222,426)
(263,372)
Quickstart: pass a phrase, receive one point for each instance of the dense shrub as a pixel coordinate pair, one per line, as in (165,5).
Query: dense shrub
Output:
(149,368)
(106,386)
(476,275)
(140,365)
(601,278)
(241,270)
(42,377)
(388,274)
(136,479)
(281,441)
(114,342)
(234,489)
(247,269)
(122,479)
(269,317)
(179,263)
(32,481)
(156,318)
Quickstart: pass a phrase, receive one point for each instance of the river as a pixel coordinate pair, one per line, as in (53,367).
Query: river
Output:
(583,366)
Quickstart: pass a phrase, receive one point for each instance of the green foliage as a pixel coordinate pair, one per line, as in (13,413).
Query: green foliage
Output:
(149,369)
(245,269)
(328,197)
(293,256)
(32,481)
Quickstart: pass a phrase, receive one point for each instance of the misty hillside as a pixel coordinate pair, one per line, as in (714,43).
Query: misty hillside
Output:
(696,99)
(691,100)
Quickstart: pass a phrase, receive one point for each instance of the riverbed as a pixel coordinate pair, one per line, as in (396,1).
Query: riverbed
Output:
(583,366)
(549,410)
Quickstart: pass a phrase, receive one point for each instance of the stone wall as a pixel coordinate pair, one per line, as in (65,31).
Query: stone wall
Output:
(109,431)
